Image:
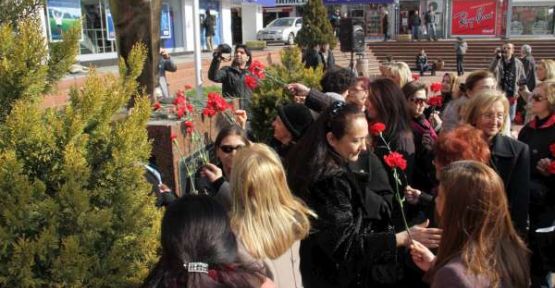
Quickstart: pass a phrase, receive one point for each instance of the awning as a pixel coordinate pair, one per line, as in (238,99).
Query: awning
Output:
(335,2)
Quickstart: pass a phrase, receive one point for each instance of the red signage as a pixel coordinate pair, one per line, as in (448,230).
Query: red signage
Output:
(472,17)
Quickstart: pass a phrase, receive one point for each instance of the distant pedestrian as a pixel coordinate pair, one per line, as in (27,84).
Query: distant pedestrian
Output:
(460,47)
(509,72)
(414,22)
(326,56)
(430,21)
(385,24)
(529,66)
(166,64)
(335,20)
(209,31)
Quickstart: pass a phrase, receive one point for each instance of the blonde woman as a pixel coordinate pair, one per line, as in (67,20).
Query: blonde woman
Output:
(545,71)
(488,111)
(399,72)
(267,219)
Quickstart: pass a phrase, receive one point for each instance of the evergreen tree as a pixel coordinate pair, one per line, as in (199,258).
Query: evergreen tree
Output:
(29,67)
(74,209)
(272,92)
(316,28)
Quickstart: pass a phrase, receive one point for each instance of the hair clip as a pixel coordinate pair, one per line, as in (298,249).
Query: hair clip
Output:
(196,267)
(336,107)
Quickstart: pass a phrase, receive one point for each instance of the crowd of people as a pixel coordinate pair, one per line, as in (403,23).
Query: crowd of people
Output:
(325,204)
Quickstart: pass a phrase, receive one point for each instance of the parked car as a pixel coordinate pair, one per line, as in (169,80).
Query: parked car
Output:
(281,30)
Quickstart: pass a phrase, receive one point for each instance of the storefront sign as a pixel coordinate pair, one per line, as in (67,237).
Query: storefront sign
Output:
(333,2)
(473,17)
(62,15)
(290,2)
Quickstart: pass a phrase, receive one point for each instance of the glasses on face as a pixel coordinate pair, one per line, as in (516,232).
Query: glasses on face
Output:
(537,98)
(417,101)
(492,116)
(230,148)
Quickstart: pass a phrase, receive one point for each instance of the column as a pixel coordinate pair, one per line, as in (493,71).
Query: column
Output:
(252,20)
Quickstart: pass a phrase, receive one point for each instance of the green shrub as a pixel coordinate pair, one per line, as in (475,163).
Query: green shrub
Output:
(271,91)
(256,45)
(75,210)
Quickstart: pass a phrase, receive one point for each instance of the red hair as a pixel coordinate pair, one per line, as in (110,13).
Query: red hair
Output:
(462,143)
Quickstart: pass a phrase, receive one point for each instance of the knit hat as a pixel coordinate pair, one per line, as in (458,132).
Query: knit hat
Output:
(296,118)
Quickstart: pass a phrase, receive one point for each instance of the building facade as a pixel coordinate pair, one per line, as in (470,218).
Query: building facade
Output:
(468,18)
(236,22)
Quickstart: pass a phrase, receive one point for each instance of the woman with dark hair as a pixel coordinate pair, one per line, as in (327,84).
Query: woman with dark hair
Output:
(349,240)
(358,93)
(199,249)
(480,247)
(424,136)
(228,140)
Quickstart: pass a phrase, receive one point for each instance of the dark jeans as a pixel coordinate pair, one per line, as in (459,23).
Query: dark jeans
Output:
(426,67)
(460,64)
(385,36)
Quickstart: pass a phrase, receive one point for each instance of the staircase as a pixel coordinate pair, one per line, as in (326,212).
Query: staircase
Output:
(343,59)
(478,56)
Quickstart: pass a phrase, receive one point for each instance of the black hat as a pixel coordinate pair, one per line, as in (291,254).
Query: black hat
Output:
(296,117)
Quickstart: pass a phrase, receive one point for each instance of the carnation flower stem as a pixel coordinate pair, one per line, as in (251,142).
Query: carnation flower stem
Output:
(398,183)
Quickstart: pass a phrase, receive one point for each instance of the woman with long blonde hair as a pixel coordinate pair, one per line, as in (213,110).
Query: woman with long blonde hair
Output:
(267,219)
(399,72)
(479,245)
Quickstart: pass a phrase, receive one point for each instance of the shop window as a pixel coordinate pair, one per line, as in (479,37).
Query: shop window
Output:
(532,20)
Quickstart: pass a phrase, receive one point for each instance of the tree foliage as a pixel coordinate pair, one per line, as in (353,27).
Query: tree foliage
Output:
(75,210)
(316,28)
(29,66)
(270,92)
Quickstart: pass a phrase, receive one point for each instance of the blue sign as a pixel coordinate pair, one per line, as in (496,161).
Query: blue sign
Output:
(265,3)
(165,22)
(62,15)
(110,29)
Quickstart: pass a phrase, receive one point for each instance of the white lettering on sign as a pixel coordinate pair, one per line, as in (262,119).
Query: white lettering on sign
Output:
(466,22)
(290,2)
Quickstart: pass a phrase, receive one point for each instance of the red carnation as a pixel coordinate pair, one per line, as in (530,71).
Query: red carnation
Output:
(156,106)
(395,160)
(257,69)
(173,137)
(208,112)
(436,87)
(435,101)
(250,82)
(551,168)
(189,107)
(180,111)
(377,128)
(189,126)
(552,149)
(415,76)
(188,86)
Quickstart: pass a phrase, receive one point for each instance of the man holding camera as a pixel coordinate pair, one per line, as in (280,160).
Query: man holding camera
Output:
(509,72)
(165,64)
(232,77)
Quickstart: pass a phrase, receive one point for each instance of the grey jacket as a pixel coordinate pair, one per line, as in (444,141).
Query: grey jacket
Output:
(497,68)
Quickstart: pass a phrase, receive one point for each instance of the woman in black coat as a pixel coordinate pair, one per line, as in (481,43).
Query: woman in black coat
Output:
(353,239)
(539,134)
(510,158)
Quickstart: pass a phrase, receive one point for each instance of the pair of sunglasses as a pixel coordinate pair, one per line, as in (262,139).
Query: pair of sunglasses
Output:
(537,97)
(229,148)
(418,101)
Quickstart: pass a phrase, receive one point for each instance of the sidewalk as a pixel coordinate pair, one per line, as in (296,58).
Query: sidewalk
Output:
(185,74)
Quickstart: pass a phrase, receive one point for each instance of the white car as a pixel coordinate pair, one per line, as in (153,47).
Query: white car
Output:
(281,30)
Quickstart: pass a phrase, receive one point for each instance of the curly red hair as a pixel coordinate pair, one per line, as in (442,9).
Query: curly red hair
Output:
(462,143)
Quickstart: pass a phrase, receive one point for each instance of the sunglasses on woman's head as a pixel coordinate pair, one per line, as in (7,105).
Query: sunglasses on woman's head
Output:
(230,148)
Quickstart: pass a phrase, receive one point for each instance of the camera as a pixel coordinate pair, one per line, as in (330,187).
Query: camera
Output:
(224,48)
